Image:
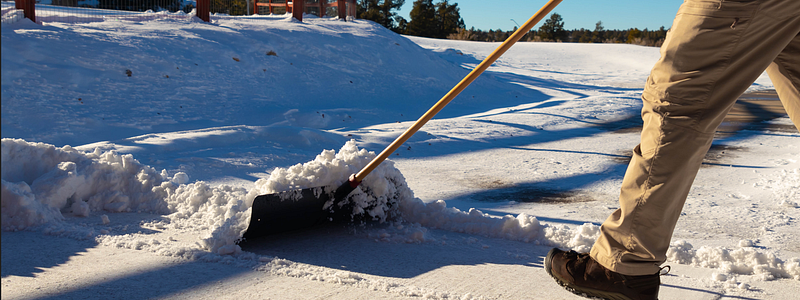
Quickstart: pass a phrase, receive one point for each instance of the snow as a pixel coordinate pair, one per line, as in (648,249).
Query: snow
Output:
(136,145)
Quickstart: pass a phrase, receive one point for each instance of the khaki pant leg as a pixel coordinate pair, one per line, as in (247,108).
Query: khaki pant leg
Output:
(785,75)
(714,51)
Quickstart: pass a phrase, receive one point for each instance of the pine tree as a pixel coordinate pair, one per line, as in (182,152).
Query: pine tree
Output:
(553,29)
(597,35)
(402,24)
(423,19)
(434,20)
(633,35)
(584,36)
(381,12)
(448,18)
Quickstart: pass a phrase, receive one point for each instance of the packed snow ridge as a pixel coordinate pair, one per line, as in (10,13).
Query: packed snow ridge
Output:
(41,183)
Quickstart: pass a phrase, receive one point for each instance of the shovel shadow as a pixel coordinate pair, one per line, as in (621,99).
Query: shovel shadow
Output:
(362,250)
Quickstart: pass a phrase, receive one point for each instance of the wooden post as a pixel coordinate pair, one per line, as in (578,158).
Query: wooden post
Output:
(342,8)
(204,9)
(30,9)
(298,8)
(19,4)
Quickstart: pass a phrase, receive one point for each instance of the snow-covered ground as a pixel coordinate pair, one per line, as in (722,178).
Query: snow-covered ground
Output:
(133,148)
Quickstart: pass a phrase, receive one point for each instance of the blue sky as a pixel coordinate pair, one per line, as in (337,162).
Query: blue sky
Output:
(618,14)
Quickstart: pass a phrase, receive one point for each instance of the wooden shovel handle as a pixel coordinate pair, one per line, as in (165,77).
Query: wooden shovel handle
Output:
(488,61)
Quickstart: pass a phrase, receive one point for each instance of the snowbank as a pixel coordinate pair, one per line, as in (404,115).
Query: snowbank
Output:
(384,196)
(523,227)
(40,182)
(742,261)
(377,196)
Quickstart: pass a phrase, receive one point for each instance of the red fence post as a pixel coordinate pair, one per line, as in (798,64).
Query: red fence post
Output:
(203,10)
(298,8)
(30,9)
(342,9)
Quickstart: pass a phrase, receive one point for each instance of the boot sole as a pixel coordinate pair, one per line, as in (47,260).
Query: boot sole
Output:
(580,291)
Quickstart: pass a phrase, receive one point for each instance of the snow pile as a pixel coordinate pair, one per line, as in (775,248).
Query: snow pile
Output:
(221,210)
(523,227)
(377,196)
(384,195)
(741,261)
(226,211)
(220,213)
(41,181)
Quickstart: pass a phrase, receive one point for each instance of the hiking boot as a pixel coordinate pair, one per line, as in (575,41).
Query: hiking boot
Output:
(582,275)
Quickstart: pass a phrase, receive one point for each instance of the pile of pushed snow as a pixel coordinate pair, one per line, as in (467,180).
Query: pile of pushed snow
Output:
(384,195)
(523,227)
(377,197)
(40,182)
(742,261)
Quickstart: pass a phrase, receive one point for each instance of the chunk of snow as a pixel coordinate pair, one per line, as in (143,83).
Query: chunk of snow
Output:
(180,178)
(80,208)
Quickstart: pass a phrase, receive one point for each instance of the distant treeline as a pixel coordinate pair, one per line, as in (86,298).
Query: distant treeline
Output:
(635,36)
(553,31)
(443,20)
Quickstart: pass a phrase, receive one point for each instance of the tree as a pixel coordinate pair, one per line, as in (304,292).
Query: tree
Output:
(381,12)
(582,35)
(633,35)
(448,19)
(597,35)
(434,20)
(462,34)
(402,25)
(553,29)
(423,19)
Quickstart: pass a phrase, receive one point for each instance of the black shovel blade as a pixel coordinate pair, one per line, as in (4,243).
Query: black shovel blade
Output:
(293,210)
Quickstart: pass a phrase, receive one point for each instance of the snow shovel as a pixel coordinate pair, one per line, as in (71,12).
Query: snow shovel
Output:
(299,209)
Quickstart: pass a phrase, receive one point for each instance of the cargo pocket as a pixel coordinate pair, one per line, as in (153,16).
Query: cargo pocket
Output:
(697,50)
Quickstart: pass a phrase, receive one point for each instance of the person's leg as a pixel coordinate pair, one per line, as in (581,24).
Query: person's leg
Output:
(713,53)
(785,75)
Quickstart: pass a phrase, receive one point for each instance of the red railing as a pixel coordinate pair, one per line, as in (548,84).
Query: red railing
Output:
(316,7)
(321,8)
